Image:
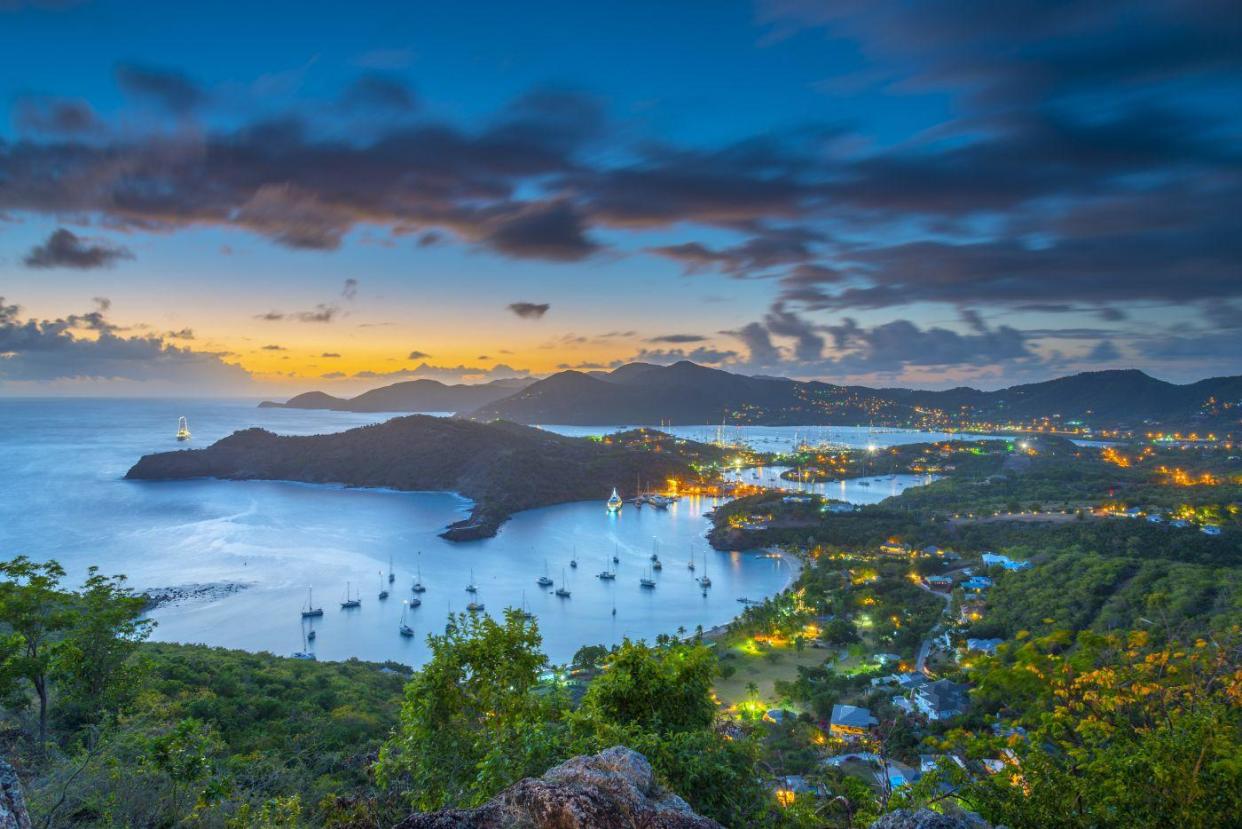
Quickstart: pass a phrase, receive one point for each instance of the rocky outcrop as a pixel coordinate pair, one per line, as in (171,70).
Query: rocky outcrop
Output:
(615,789)
(927,819)
(13,814)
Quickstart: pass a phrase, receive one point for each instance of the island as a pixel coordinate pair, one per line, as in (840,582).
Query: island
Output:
(502,467)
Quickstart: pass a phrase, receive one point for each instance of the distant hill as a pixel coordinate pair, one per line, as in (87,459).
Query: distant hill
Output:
(408,396)
(686,393)
(503,467)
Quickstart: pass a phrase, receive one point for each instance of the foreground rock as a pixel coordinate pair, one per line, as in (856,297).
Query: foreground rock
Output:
(615,789)
(927,819)
(13,814)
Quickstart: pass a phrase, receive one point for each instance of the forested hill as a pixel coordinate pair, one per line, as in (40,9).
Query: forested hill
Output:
(686,393)
(409,396)
(503,467)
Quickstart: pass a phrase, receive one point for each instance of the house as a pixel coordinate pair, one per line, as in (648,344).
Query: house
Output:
(977,584)
(931,762)
(987,646)
(941,584)
(971,612)
(1210,529)
(850,721)
(899,774)
(994,560)
(941,700)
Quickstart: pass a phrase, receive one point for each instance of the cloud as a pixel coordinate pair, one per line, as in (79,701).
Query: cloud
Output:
(172,90)
(754,256)
(350,290)
(65,249)
(183,334)
(330,354)
(378,91)
(418,355)
(529,310)
(702,355)
(323,312)
(677,338)
(86,348)
(1105,351)
(548,230)
(56,117)
(333,375)
(445,374)
(274,348)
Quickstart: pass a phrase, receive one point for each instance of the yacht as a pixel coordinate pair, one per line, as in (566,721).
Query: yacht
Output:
(606,574)
(349,603)
(391,575)
(404,629)
(472,587)
(415,601)
(646,582)
(418,579)
(383,591)
(705,581)
(525,611)
(616,559)
(307,655)
(657,565)
(614,502)
(183,429)
(690,562)
(475,607)
(310,611)
(561,591)
(544,581)
(573,562)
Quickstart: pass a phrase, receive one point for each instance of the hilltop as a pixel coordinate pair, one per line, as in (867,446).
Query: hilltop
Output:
(502,467)
(687,393)
(408,396)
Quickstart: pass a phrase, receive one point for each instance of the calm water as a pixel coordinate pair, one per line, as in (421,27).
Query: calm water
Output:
(62,496)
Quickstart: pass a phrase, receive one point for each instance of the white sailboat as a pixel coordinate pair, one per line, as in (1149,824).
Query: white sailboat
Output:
(705,581)
(614,502)
(183,429)
(472,587)
(544,581)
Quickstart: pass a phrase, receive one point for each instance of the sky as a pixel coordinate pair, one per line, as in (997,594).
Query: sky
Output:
(266,198)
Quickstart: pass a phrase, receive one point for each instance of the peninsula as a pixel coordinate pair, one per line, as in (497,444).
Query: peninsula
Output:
(502,467)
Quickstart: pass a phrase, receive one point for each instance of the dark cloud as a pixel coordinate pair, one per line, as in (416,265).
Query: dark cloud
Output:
(56,116)
(445,374)
(323,312)
(330,354)
(183,334)
(529,310)
(172,90)
(350,290)
(1105,351)
(270,316)
(377,91)
(703,354)
(551,230)
(754,256)
(274,348)
(65,249)
(418,355)
(677,338)
(333,375)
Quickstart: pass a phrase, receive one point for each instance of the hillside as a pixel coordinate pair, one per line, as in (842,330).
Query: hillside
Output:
(502,467)
(686,393)
(408,396)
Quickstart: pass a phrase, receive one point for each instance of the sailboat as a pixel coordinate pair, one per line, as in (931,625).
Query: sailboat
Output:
(606,574)
(418,579)
(403,628)
(646,582)
(690,563)
(705,581)
(310,611)
(525,611)
(573,562)
(616,559)
(544,581)
(561,591)
(475,607)
(350,603)
(472,587)
(655,556)
(614,501)
(183,429)
(305,653)
(391,575)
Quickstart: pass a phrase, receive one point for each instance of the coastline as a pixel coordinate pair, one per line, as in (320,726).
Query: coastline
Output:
(796,565)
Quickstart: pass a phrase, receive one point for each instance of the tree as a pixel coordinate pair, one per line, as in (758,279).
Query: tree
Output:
(662,690)
(94,666)
(35,611)
(472,722)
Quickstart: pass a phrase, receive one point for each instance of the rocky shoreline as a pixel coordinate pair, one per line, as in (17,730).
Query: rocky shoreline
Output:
(181,594)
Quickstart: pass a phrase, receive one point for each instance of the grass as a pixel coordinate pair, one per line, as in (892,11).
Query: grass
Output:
(763,665)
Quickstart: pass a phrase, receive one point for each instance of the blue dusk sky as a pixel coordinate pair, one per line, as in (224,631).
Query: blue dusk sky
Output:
(255,198)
